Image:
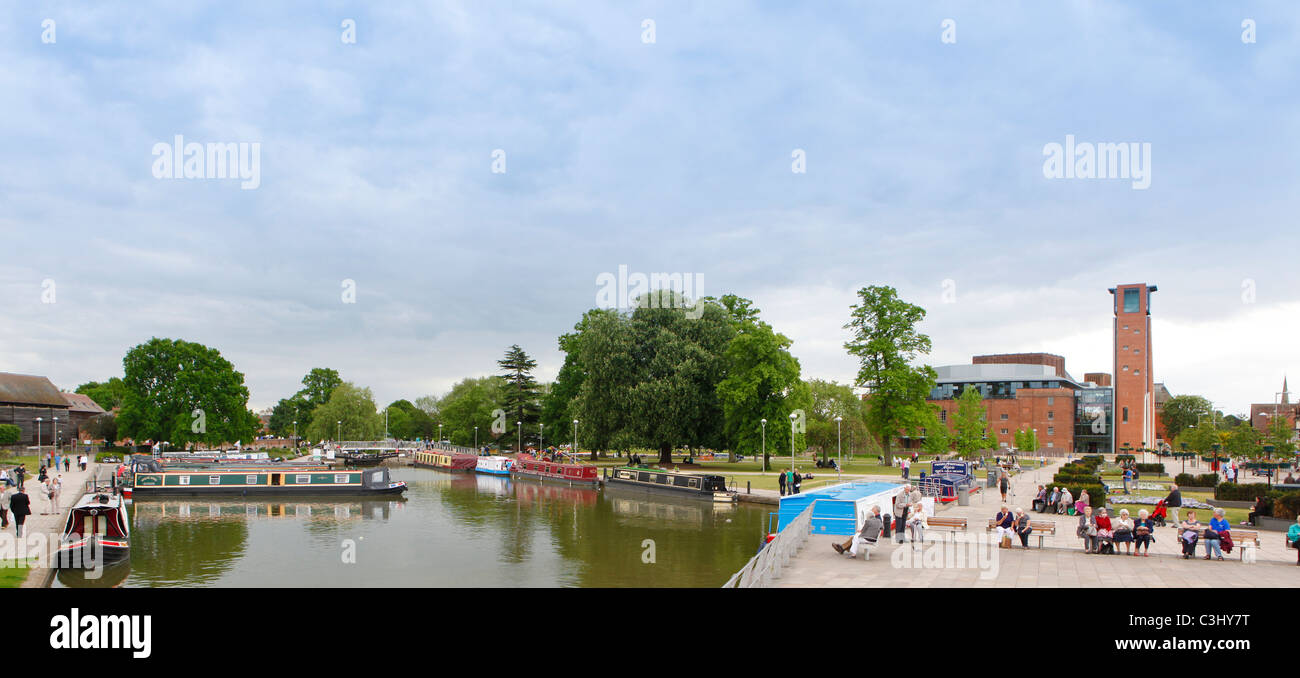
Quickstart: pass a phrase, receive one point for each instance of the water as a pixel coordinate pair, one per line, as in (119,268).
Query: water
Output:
(450,530)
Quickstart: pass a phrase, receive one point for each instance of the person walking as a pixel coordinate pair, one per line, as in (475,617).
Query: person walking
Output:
(1003,482)
(56,491)
(67,465)
(21,506)
(1128,476)
(780,482)
(47,492)
(1173,502)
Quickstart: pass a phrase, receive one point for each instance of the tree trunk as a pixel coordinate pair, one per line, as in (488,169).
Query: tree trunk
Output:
(665,454)
(595,454)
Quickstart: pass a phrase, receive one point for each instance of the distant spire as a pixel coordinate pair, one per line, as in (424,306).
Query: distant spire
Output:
(1286,397)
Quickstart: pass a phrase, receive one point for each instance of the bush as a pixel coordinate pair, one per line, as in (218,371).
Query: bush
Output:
(10,434)
(1151,468)
(1236,492)
(1287,506)
(1202,480)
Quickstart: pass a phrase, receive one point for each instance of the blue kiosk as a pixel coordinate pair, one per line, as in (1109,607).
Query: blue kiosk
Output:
(838,509)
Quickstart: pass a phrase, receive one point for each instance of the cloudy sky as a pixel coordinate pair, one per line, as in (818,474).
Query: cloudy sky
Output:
(924,164)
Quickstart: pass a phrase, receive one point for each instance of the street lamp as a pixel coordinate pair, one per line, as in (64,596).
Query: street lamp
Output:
(339,434)
(1184,455)
(793,416)
(541,436)
(519,428)
(839,450)
(440,439)
(295,435)
(764,423)
(55,433)
(476,438)
(575,439)
(38,435)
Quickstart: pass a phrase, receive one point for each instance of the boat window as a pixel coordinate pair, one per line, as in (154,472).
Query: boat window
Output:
(377,476)
(184,480)
(302,479)
(340,478)
(214,480)
(250,480)
(661,478)
(695,482)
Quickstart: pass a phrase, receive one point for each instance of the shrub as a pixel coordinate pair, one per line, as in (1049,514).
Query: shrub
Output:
(1151,468)
(1287,506)
(1202,480)
(1236,492)
(10,434)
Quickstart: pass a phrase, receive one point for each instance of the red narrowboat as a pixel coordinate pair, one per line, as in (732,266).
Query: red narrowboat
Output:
(446,461)
(527,466)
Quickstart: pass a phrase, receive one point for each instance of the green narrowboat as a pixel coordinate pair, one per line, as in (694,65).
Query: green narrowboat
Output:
(159,482)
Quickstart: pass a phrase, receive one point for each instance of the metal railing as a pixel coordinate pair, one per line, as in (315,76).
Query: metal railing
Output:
(776,554)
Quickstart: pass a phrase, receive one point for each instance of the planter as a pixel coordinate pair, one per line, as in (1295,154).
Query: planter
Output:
(1224,503)
(1273,524)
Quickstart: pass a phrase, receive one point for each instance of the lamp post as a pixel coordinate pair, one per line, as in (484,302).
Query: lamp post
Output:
(55,433)
(1214,465)
(1184,455)
(839,450)
(541,436)
(475,438)
(1268,454)
(295,435)
(440,438)
(764,457)
(575,439)
(339,434)
(38,436)
(519,428)
(792,418)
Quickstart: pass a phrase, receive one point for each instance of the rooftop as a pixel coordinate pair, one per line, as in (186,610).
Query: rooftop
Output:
(27,389)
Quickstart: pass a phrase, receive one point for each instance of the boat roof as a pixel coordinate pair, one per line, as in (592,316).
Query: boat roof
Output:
(89,500)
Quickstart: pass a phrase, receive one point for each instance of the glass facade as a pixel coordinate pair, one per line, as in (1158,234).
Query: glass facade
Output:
(1094,420)
(1131,300)
(994,389)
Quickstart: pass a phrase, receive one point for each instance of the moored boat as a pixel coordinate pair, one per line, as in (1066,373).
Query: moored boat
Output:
(96,533)
(446,461)
(710,487)
(154,480)
(527,466)
(496,466)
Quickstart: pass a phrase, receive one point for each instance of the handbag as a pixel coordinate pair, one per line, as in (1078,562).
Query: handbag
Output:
(1006,542)
(1092,529)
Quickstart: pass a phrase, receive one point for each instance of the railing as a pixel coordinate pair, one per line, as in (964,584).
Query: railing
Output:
(776,554)
(389,444)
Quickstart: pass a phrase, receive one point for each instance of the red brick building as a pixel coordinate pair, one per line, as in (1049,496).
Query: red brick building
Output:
(1262,414)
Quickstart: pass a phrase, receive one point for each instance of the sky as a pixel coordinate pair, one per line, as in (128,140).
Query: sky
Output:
(465,172)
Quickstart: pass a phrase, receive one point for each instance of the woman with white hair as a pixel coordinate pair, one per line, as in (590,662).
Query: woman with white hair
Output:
(917,524)
(1124,530)
(1217,524)
(1144,532)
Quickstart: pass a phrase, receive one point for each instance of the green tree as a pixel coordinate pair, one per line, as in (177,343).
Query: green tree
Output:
(184,393)
(885,341)
(831,399)
(1244,441)
(1182,412)
(970,427)
(408,422)
(594,385)
(762,382)
(1279,435)
(470,403)
(317,386)
(1026,440)
(108,394)
(520,398)
(350,412)
(937,439)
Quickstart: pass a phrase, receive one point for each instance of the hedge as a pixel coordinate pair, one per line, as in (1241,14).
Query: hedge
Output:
(1151,468)
(1236,492)
(1202,480)
(10,434)
(1287,506)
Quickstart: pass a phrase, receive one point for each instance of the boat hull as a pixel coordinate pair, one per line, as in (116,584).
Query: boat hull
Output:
(142,493)
(558,480)
(79,555)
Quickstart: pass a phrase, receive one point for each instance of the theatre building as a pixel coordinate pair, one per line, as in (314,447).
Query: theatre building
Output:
(1032,391)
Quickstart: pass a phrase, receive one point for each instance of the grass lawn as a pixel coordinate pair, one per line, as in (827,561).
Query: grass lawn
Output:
(12,577)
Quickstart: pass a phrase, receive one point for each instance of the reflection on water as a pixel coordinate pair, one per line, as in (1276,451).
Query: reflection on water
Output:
(449,530)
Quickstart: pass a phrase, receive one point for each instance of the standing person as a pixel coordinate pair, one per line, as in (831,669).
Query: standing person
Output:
(21,506)
(1173,502)
(905,465)
(1003,482)
(796,480)
(901,507)
(56,492)
(1144,530)
(780,482)
(1128,476)
(6,492)
(47,492)
(20,475)
(865,539)
(67,465)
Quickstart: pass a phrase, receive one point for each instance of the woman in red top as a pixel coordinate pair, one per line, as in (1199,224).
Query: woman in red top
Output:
(1105,533)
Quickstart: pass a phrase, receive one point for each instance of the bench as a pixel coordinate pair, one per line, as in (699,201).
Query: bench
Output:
(1039,528)
(952,525)
(1240,538)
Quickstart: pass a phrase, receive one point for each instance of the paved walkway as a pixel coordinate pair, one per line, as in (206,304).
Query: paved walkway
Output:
(1061,563)
(51,524)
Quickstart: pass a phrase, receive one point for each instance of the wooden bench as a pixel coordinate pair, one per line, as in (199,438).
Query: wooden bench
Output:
(952,525)
(1240,538)
(1038,528)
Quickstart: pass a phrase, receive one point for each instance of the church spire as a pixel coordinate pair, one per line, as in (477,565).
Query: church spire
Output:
(1286,397)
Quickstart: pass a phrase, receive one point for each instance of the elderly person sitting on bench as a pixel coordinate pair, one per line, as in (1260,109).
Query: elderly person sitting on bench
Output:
(866,537)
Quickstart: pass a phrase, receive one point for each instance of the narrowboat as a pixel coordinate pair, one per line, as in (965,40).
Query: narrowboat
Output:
(155,481)
(527,466)
(494,466)
(366,458)
(446,461)
(97,533)
(710,487)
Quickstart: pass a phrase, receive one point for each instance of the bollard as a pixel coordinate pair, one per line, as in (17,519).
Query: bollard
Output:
(747,488)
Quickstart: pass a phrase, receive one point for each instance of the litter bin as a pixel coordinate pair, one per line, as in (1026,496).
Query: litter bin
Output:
(963,495)
(992,478)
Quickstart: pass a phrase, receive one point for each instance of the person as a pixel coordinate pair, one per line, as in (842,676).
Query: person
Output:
(917,523)
(795,481)
(1082,501)
(1190,530)
(865,539)
(1123,526)
(20,474)
(67,464)
(1004,522)
(1261,509)
(6,491)
(1144,530)
(1023,527)
(1066,501)
(1003,482)
(906,466)
(1053,501)
(1217,524)
(42,474)
(56,491)
(1105,532)
(1128,476)
(1040,499)
(1290,479)
(901,506)
(1087,530)
(21,506)
(1293,538)
(914,497)
(780,482)
(1174,501)
(5,480)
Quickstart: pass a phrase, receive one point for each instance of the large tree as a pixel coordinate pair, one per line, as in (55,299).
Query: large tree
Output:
(762,382)
(317,386)
(519,392)
(470,403)
(1279,434)
(886,342)
(350,412)
(599,372)
(970,426)
(1183,412)
(406,421)
(108,394)
(183,393)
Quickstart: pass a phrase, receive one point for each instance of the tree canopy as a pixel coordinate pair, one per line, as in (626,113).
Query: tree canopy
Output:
(108,394)
(1183,412)
(350,412)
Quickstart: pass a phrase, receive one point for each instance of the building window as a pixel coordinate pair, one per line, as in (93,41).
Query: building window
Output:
(1137,351)
(1126,345)
(1051,444)
(1051,414)
(1137,372)
(1125,415)
(1051,400)
(943,416)
(1051,430)
(1004,431)
(1004,418)
(1131,301)
(1126,368)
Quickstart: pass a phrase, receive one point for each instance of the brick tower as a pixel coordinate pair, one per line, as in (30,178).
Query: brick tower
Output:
(1135,408)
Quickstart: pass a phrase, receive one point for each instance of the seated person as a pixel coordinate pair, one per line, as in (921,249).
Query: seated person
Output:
(1189,532)
(1293,538)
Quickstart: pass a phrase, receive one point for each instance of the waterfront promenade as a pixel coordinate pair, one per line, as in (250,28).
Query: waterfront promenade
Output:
(1061,563)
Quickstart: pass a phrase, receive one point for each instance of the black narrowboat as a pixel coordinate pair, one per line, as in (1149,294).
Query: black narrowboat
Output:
(708,487)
